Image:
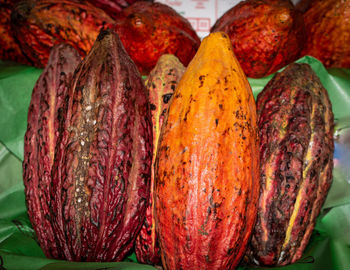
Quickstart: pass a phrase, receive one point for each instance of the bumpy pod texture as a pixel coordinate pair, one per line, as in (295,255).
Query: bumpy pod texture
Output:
(9,46)
(46,114)
(101,177)
(99,189)
(207,176)
(160,85)
(327,24)
(296,153)
(39,25)
(266,35)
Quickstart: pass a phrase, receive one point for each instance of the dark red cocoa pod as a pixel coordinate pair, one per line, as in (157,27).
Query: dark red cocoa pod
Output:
(40,24)
(46,112)
(296,153)
(101,182)
(9,47)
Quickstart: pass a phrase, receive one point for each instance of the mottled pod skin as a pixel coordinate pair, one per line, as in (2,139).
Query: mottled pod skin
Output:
(327,24)
(160,85)
(102,171)
(149,30)
(45,115)
(207,168)
(40,24)
(9,46)
(296,153)
(266,35)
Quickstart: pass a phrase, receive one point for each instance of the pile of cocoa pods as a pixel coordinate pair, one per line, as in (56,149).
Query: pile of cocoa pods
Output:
(184,168)
(143,138)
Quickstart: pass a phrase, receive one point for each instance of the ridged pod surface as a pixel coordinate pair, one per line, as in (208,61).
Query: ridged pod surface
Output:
(101,178)
(149,30)
(327,24)
(40,24)
(160,85)
(9,46)
(266,35)
(45,115)
(296,153)
(207,168)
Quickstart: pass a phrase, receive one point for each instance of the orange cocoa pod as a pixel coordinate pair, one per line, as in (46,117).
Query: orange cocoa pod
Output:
(207,168)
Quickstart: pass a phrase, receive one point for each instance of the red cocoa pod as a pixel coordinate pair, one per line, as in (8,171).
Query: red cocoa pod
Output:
(113,7)
(40,24)
(296,153)
(102,170)
(9,46)
(46,111)
(327,24)
(149,30)
(266,35)
(160,85)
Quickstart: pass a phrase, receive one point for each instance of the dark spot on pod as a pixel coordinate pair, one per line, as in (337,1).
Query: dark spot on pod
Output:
(201,79)
(166,98)
(102,34)
(221,106)
(173,86)
(152,107)
(153,85)
(216,122)
(230,251)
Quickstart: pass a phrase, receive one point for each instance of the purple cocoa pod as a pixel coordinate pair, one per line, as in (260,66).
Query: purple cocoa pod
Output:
(46,112)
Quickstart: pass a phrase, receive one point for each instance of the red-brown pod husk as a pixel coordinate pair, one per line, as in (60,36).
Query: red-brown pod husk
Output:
(296,153)
(40,24)
(46,112)
(149,30)
(266,35)
(160,86)
(9,46)
(101,182)
(113,7)
(327,24)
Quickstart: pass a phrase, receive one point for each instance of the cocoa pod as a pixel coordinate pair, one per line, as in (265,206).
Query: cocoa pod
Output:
(46,113)
(113,7)
(160,85)
(149,30)
(9,46)
(207,168)
(101,177)
(296,153)
(40,24)
(266,35)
